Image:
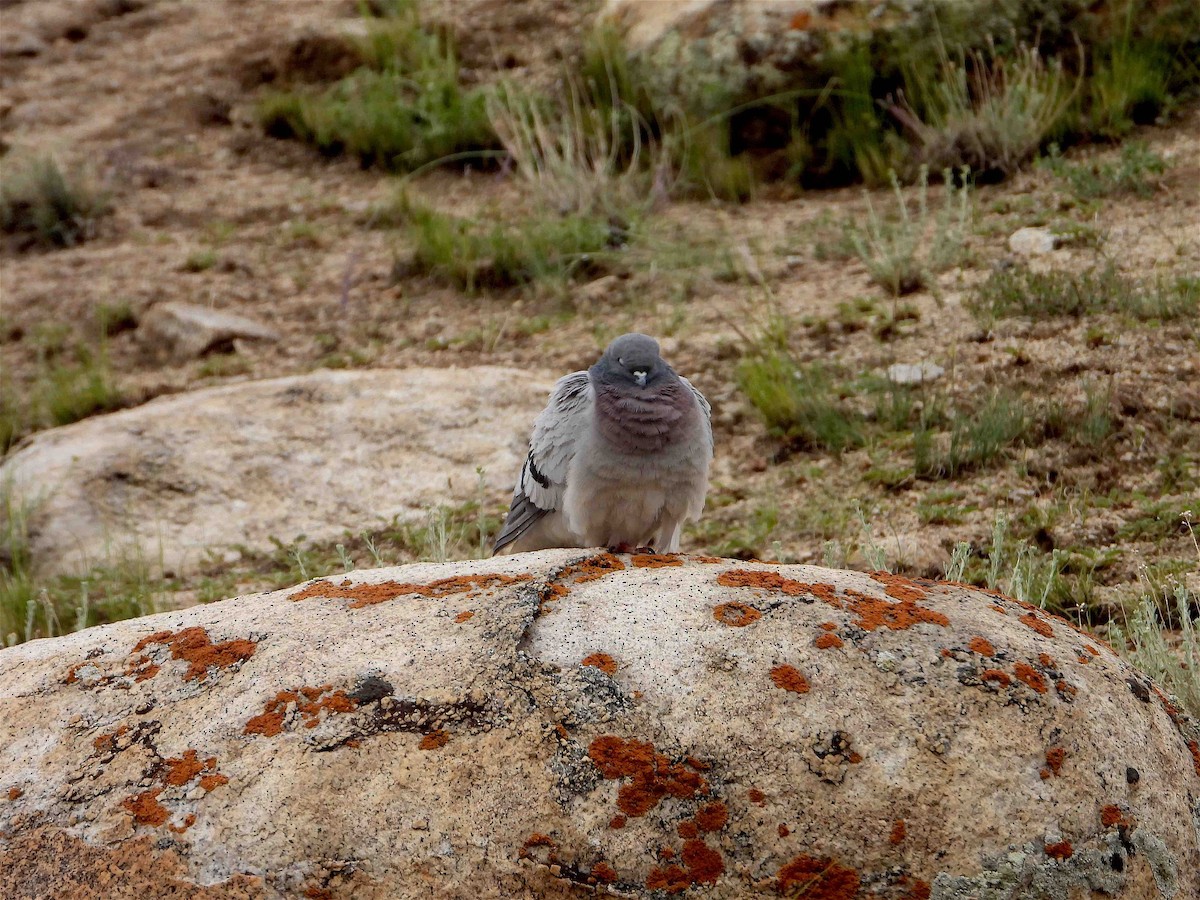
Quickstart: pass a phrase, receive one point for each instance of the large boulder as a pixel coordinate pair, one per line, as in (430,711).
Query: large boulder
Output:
(545,725)
(238,465)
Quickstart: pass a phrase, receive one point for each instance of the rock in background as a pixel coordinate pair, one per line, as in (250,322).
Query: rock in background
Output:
(548,724)
(240,464)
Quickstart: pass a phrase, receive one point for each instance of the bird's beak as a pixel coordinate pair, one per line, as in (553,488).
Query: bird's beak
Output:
(640,378)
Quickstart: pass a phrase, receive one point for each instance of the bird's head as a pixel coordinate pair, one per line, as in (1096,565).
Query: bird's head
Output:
(632,360)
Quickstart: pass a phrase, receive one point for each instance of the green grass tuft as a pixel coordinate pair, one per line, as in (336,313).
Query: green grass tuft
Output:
(476,257)
(403,110)
(50,206)
(1020,291)
(799,403)
(1137,171)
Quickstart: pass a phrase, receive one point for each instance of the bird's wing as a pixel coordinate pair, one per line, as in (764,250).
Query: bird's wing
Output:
(704,408)
(543,479)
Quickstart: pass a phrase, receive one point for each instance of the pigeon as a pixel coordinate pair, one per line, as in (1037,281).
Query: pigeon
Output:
(619,458)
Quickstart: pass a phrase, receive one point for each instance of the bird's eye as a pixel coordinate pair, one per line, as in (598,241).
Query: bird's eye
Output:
(620,361)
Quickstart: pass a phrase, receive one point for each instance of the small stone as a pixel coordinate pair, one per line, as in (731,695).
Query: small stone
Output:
(914,373)
(185,331)
(1032,241)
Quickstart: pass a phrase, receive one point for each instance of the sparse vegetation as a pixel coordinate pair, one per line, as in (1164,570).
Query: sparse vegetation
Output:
(798,403)
(1136,171)
(988,111)
(404,109)
(541,247)
(47,204)
(70,384)
(906,252)
(1020,291)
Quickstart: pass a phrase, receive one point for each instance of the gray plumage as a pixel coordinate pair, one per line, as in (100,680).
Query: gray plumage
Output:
(619,457)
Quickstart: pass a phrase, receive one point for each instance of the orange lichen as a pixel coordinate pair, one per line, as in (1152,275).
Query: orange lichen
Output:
(1111,815)
(736,615)
(666,853)
(318,893)
(1063,688)
(655,560)
(703,866)
(653,776)
(899,587)
(817,878)
(688,829)
(463,616)
(601,661)
(697,764)
(827,641)
(617,822)
(593,568)
(192,645)
(1047,660)
(757,797)
(708,560)
(1001,678)
(789,679)
(773,581)
(183,769)
(187,823)
(1083,659)
(783,831)
(370,594)
(309,703)
(1055,757)
(899,832)
(15,793)
(538,840)
(829,626)
(1194,749)
(982,646)
(999,609)
(1060,850)
(712,816)
(1090,649)
(434,740)
(874,613)
(105,743)
(920,890)
(213,781)
(1041,627)
(561,730)
(1030,676)
(602,871)
(145,808)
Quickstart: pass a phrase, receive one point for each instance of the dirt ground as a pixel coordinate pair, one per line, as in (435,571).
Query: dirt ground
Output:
(159,99)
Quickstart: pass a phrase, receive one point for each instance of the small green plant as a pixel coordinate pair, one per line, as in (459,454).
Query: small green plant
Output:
(66,387)
(1020,291)
(904,253)
(1143,640)
(1136,171)
(976,436)
(513,253)
(988,111)
(576,155)
(200,261)
(798,403)
(31,607)
(47,204)
(1130,84)
(404,110)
